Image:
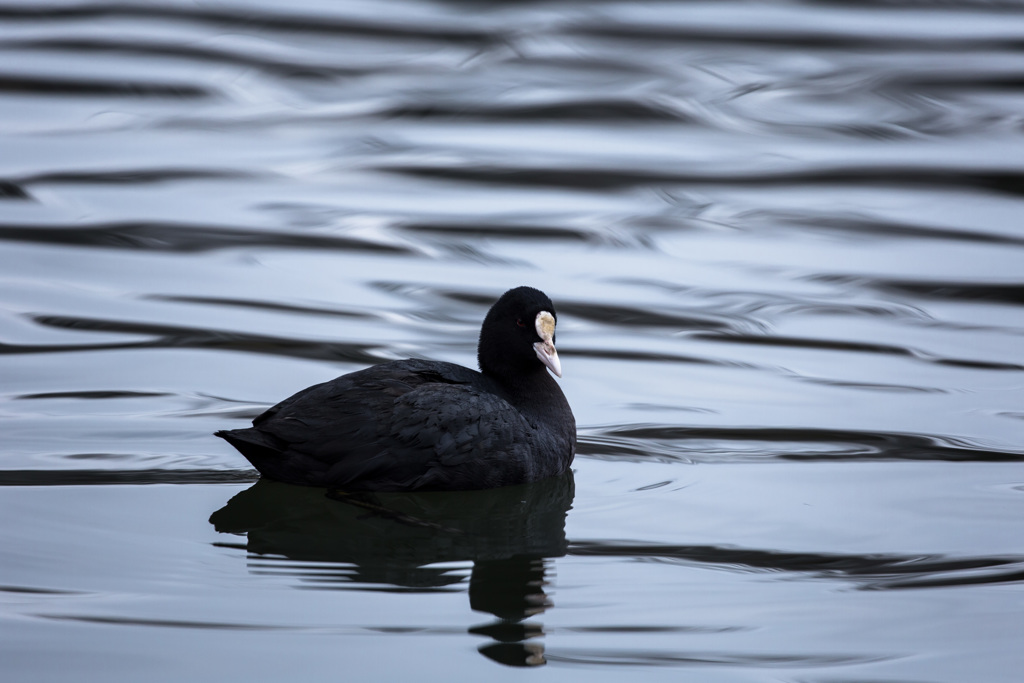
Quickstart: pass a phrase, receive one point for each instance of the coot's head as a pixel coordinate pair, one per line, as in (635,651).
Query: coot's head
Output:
(518,336)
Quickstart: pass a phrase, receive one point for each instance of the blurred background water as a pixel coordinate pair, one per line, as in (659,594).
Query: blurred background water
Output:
(786,244)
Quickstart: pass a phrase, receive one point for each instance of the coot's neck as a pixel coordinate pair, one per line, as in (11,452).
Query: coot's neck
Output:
(531,390)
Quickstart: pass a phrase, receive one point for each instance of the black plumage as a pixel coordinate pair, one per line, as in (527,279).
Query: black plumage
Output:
(418,425)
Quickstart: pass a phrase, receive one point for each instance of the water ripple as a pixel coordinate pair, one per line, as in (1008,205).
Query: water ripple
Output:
(869,572)
(1008,293)
(129,477)
(160,623)
(857,347)
(11,190)
(700,444)
(139,176)
(589,109)
(490,230)
(186,237)
(91,395)
(228,18)
(172,336)
(864,226)
(273,306)
(998,180)
(634,658)
(785,35)
(206,54)
(65,86)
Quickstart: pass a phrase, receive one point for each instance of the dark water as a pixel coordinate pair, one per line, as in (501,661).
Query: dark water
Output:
(786,241)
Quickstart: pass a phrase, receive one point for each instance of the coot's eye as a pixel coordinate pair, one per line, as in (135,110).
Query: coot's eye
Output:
(520,323)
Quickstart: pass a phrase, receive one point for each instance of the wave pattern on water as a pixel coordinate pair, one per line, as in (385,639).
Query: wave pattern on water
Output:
(134,477)
(783,240)
(869,572)
(184,238)
(668,443)
(169,336)
(676,139)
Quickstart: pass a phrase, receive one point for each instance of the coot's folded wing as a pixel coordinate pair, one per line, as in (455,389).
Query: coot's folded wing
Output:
(458,437)
(399,426)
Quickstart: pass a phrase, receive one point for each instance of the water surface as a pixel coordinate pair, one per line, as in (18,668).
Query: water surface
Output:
(785,243)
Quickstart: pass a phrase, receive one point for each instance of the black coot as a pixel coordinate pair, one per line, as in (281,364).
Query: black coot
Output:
(417,425)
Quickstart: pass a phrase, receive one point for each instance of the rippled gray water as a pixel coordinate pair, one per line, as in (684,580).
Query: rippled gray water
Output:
(786,243)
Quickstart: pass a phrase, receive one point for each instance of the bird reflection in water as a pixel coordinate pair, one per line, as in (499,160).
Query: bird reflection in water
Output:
(398,539)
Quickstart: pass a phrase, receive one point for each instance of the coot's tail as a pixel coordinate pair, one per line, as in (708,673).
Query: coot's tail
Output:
(256,448)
